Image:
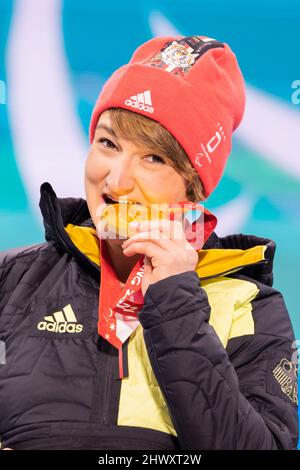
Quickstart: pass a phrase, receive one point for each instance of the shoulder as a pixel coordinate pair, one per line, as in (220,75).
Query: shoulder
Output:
(20,258)
(262,353)
(11,254)
(269,309)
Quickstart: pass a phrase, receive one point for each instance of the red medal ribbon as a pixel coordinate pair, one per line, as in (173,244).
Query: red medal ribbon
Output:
(119,307)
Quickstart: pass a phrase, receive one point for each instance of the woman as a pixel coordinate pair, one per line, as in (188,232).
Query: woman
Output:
(205,358)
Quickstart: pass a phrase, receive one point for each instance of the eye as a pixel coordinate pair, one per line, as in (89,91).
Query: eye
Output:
(110,144)
(157,159)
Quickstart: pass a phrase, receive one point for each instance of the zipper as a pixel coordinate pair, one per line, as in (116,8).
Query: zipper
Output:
(101,390)
(106,389)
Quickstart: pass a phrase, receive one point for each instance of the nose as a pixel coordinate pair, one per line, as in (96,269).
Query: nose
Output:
(120,180)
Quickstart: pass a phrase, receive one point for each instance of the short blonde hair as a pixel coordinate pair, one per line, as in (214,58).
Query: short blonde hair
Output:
(149,133)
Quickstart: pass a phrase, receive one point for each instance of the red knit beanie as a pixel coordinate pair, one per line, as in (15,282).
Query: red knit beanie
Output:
(193,87)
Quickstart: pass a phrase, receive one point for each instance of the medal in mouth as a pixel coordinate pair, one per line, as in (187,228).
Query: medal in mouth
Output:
(116,215)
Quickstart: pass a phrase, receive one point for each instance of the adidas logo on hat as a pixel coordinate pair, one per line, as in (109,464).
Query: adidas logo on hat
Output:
(63,321)
(141,101)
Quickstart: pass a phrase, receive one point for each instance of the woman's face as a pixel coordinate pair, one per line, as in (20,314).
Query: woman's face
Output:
(124,171)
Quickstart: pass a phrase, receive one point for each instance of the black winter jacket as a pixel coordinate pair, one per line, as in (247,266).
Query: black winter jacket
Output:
(212,365)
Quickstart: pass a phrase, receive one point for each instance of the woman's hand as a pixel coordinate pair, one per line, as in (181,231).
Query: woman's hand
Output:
(166,249)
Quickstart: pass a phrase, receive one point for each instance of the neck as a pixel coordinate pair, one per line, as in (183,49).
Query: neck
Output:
(122,264)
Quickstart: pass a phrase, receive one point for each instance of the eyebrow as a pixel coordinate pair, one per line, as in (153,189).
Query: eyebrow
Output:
(107,129)
(112,132)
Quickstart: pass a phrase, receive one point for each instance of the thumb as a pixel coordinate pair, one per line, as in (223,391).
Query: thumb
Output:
(147,266)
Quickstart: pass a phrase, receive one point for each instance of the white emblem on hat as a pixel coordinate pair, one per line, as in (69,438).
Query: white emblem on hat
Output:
(210,146)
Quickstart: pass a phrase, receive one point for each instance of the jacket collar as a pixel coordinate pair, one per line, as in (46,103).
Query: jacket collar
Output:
(57,214)
(68,224)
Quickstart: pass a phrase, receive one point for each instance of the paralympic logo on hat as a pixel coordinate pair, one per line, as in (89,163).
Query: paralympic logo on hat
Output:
(210,146)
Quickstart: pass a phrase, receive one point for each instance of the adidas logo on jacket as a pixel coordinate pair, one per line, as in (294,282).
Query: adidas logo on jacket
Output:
(61,322)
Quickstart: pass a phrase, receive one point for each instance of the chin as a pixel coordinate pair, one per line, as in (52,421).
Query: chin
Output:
(116,241)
